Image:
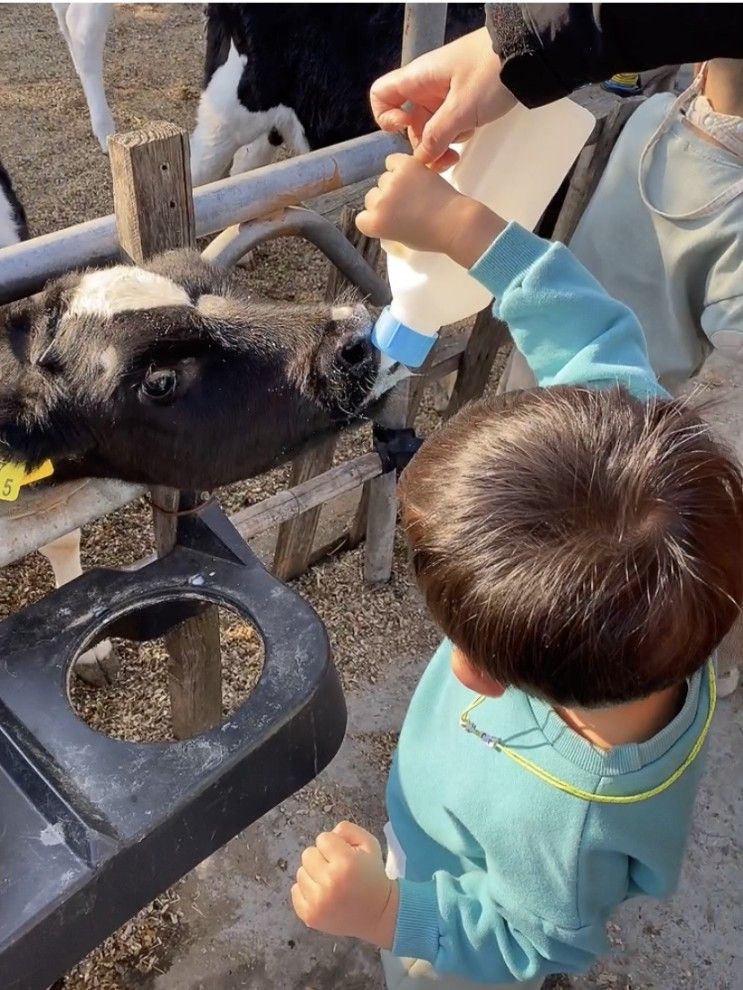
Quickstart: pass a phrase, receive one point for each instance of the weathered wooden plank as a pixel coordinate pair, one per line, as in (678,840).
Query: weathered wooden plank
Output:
(488,339)
(296,536)
(368,247)
(311,493)
(154,212)
(332,204)
(153,199)
(381,521)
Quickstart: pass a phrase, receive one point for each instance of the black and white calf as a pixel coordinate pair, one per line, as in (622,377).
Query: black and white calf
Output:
(164,375)
(295,75)
(84,27)
(276,75)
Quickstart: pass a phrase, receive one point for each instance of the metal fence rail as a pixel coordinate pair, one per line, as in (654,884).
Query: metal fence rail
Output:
(25,267)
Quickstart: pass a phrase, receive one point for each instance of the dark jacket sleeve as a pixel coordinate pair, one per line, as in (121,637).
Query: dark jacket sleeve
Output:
(548,50)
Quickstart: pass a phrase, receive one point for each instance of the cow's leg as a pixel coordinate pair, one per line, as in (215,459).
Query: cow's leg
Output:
(223,125)
(285,131)
(84,27)
(99,665)
(288,124)
(256,154)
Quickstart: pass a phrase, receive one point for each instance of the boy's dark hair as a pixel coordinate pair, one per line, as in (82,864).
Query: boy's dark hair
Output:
(579,544)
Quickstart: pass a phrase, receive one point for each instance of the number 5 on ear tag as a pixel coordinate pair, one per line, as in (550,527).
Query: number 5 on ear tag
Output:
(14,476)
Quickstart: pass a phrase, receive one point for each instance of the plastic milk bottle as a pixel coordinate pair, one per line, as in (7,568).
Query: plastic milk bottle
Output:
(514,166)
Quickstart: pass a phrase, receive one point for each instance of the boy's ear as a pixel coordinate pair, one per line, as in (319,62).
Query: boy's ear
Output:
(472,678)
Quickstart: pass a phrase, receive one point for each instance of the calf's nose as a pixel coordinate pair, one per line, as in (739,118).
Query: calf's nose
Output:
(354,350)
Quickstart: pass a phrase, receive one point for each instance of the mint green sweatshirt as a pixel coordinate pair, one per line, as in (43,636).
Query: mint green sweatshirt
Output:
(507,877)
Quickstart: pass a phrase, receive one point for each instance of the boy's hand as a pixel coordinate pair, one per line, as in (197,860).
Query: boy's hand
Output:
(415,206)
(454,89)
(342,888)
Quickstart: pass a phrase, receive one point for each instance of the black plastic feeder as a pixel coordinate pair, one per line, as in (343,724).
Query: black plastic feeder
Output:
(92,828)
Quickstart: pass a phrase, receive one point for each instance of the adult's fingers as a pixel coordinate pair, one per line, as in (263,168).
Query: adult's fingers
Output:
(394,120)
(441,131)
(445,161)
(387,97)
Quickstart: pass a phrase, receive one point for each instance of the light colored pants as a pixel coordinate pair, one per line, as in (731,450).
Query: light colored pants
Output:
(417,974)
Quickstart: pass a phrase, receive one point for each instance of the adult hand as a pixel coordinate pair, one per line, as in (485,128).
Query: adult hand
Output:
(342,887)
(453,90)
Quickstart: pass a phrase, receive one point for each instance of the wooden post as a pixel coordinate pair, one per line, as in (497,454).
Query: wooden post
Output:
(154,212)
(157,214)
(381,509)
(489,339)
(296,538)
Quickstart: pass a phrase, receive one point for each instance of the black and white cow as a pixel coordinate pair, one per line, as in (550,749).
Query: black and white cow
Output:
(84,27)
(295,75)
(276,75)
(166,374)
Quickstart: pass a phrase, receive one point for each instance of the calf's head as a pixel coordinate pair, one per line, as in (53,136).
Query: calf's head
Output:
(165,375)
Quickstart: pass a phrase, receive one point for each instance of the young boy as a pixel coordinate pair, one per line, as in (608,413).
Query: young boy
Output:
(581,546)
(662,233)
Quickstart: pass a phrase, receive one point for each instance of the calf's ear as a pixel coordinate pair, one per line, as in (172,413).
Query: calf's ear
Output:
(51,308)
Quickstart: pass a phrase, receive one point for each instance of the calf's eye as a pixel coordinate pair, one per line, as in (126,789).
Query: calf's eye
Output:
(159,385)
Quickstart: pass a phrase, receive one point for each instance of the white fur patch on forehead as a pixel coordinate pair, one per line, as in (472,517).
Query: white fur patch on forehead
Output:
(122,289)
(339,313)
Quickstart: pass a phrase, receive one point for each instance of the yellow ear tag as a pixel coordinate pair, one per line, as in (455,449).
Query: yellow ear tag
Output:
(14,476)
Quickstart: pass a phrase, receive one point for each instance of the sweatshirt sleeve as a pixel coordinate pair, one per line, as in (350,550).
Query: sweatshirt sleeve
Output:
(548,50)
(568,328)
(456,924)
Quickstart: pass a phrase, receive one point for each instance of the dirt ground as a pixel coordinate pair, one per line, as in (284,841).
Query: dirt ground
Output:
(228,924)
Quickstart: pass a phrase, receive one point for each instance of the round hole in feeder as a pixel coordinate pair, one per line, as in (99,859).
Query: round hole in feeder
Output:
(165,166)
(136,706)
(172,204)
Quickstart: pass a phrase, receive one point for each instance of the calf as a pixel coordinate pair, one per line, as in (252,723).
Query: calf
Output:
(13,226)
(295,76)
(84,27)
(163,375)
(276,75)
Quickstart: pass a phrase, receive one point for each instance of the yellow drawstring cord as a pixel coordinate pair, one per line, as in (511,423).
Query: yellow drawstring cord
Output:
(564,785)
